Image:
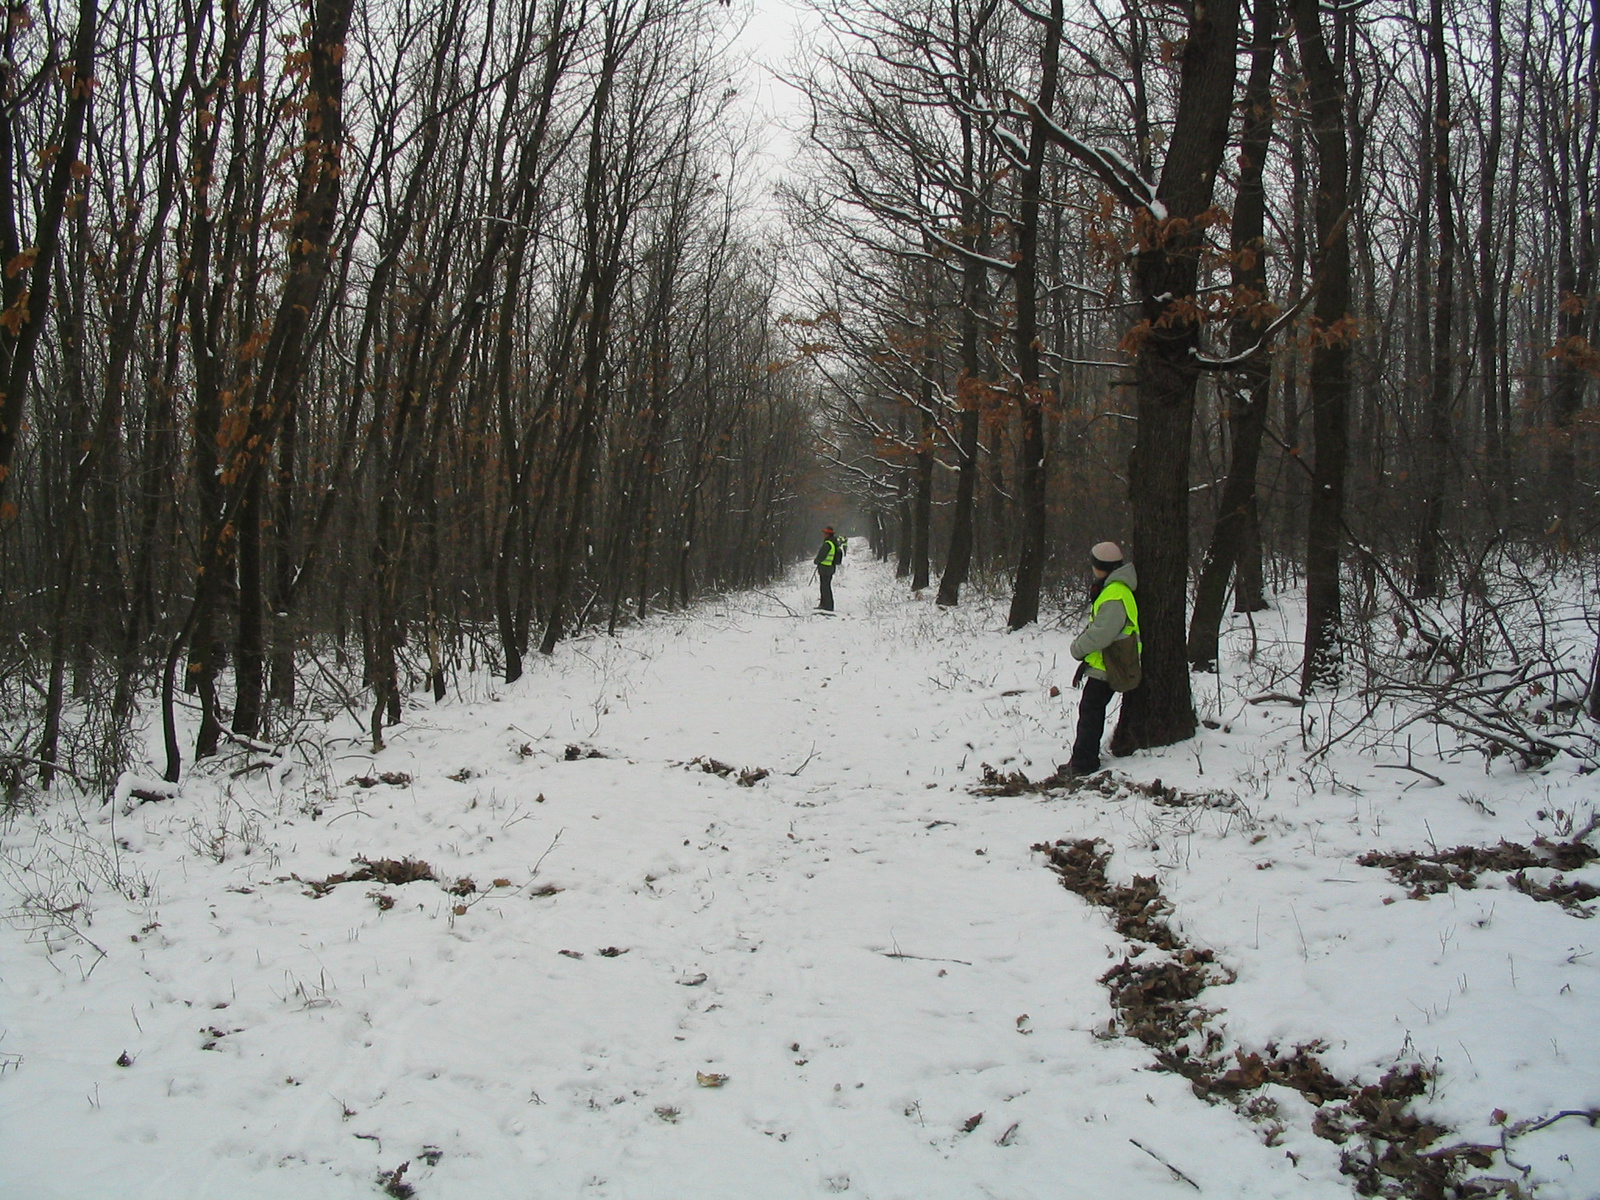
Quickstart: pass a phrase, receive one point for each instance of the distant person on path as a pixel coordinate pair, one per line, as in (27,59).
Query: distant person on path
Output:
(827,559)
(1115,616)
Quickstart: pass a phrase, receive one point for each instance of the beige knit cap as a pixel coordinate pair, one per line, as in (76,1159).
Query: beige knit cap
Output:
(1107,552)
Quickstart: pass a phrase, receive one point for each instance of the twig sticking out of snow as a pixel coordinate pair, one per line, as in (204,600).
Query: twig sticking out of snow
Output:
(1165,1163)
(1411,767)
(923,957)
(546,854)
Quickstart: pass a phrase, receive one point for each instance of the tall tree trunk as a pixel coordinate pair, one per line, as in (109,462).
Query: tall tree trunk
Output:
(1247,401)
(66,620)
(997,550)
(1160,710)
(974,277)
(25,289)
(1249,586)
(1576,359)
(250,644)
(902,560)
(970,389)
(1490,337)
(280,597)
(1030,393)
(959,561)
(1292,506)
(923,511)
(1330,360)
(1430,546)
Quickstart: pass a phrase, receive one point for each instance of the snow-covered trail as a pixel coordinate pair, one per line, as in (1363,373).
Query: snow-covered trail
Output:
(883,958)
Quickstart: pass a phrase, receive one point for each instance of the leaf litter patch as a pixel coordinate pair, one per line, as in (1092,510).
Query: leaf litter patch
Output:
(390,778)
(1386,1149)
(1432,874)
(746,777)
(1105,784)
(393,871)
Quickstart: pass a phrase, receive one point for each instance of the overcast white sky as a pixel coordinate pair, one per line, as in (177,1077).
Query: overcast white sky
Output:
(767,42)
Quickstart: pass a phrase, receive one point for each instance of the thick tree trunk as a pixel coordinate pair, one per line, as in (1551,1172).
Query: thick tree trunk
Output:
(1249,587)
(1160,710)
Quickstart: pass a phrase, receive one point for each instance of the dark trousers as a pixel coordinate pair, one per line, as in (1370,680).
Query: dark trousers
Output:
(1097,694)
(825,575)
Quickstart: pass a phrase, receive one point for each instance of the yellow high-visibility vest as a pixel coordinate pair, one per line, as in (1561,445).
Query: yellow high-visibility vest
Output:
(1115,590)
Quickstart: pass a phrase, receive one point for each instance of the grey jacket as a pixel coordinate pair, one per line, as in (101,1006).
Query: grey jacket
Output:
(1108,623)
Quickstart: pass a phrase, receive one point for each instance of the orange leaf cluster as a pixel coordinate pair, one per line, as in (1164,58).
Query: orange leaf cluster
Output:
(1576,351)
(1135,338)
(1345,329)
(15,317)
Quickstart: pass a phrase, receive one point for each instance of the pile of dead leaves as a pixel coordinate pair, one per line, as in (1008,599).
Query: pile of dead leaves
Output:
(393,871)
(392,778)
(1387,1149)
(1101,783)
(747,777)
(1155,999)
(1393,1155)
(1015,783)
(1430,874)
(1572,895)
(1139,909)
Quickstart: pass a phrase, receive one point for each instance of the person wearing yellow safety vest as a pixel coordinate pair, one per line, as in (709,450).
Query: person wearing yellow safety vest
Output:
(827,559)
(1115,615)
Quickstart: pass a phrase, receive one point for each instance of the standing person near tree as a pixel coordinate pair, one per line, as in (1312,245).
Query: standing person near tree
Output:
(1108,650)
(827,559)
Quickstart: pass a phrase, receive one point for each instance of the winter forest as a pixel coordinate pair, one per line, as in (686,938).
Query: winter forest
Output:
(410,409)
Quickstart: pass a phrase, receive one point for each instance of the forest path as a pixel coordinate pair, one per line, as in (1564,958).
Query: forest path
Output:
(883,958)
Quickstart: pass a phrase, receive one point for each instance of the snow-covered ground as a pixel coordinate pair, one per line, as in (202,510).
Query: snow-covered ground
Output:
(870,953)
